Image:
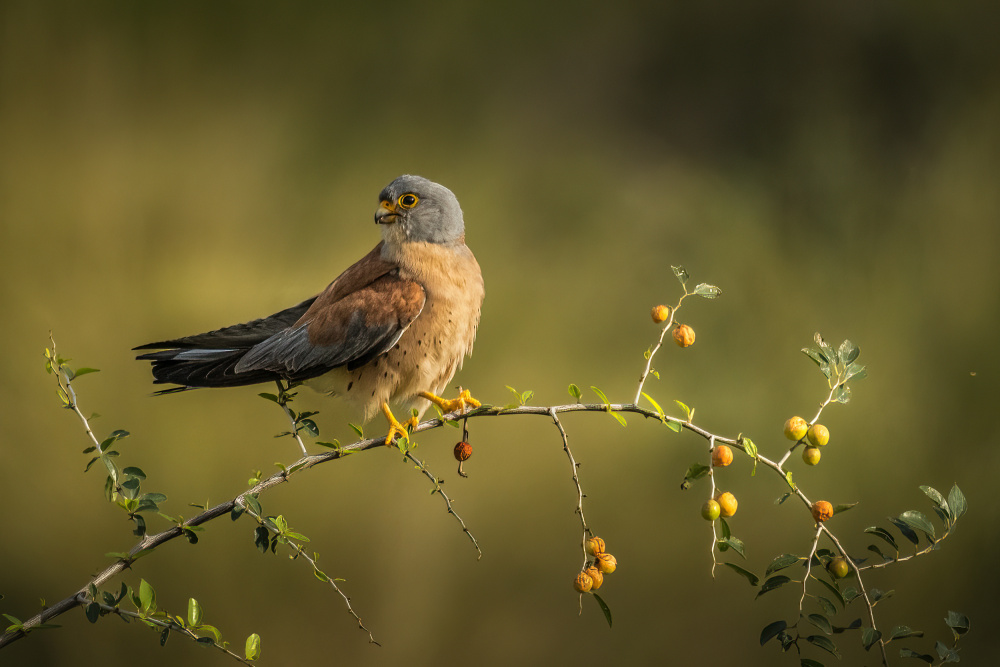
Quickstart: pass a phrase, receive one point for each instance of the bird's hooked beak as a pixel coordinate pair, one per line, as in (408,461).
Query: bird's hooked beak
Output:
(386,213)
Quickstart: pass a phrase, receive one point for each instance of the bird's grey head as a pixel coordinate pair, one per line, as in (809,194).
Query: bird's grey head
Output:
(412,208)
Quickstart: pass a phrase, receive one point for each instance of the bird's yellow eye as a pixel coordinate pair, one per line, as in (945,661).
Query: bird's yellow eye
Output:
(408,200)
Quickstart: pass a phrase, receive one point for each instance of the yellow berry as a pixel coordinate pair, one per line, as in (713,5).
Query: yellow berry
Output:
(583,582)
(660,313)
(811,455)
(607,563)
(595,546)
(722,456)
(683,335)
(822,511)
(727,504)
(710,510)
(818,435)
(596,576)
(795,428)
(838,567)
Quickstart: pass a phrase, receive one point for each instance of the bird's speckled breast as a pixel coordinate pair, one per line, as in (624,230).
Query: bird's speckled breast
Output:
(432,349)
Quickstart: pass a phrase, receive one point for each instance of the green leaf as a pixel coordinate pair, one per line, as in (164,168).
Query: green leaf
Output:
(855,372)
(945,654)
(905,529)
(695,472)
(908,653)
(252,650)
(936,496)
(869,637)
(788,480)
(656,406)
(809,662)
(194,612)
(574,391)
(823,643)
(959,623)
(833,590)
(842,394)
(600,394)
(837,509)
(310,427)
(688,412)
(147,596)
(904,632)
(618,417)
(781,562)
(736,544)
(821,622)
(214,630)
(918,521)
(848,352)
(604,608)
(707,291)
(357,429)
(956,501)
(92,610)
(774,582)
(321,575)
(749,576)
(884,534)
(681,274)
(772,630)
(827,606)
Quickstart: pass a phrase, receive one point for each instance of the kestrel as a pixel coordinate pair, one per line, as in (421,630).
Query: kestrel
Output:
(392,328)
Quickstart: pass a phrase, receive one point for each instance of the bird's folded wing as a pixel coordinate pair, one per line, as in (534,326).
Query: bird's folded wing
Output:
(348,324)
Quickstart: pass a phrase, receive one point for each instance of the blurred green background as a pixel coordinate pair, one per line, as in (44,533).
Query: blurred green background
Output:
(167,168)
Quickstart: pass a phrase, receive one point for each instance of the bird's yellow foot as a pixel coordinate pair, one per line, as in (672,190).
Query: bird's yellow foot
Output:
(451,405)
(395,428)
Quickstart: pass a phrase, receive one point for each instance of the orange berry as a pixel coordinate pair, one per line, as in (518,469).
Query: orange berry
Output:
(795,428)
(583,582)
(727,504)
(660,313)
(607,563)
(463,451)
(684,335)
(838,567)
(721,456)
(596,576)
(818,435)
(822,511)
(595,546)
(710,511)
(811,455)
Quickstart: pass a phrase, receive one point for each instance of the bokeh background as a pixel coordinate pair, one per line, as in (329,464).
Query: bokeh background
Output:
(167,168)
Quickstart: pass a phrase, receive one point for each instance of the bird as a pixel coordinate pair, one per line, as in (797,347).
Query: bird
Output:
(393,328)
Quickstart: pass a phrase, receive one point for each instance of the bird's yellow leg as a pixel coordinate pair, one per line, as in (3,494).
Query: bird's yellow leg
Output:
(464,400)
(395,428)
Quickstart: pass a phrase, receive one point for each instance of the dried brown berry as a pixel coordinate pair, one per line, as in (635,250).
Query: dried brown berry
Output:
(684,335)
(722,456)
(463,451)
(795,428)
(596,576)
(583,582)
(607,563)
(595,546)
(660,313)
(822,511)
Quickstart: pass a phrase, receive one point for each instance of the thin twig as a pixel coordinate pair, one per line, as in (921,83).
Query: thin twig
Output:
(812,552)
(163,624)
(291,418)
(576,480)
(447,501)
(299,551)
